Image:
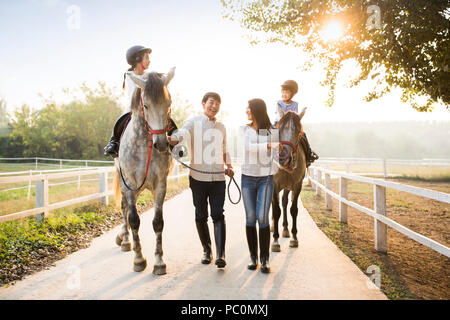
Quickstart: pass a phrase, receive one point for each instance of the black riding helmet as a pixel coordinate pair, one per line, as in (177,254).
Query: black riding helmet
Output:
(290,85)
(133,56)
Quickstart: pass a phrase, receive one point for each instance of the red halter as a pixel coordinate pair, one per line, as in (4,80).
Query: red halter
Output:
(294,150)
(151,132)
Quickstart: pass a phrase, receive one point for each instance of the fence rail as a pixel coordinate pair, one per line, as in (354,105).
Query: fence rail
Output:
(384,163)
(42,205)
(381,222)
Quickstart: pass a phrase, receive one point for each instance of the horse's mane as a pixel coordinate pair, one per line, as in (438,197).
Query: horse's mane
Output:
(154,88)
(290,116)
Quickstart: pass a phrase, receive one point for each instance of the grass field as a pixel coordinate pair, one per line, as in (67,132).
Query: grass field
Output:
(409,270)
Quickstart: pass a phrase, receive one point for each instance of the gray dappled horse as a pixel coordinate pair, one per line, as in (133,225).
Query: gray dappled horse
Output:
(150,118)
(289,177)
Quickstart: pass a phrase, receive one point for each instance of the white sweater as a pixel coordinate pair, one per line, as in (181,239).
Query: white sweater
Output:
(257,158)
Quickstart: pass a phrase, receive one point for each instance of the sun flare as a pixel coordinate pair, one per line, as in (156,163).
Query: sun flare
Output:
(333,31)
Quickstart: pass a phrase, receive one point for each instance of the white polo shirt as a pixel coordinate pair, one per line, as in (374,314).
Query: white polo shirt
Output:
(207,142)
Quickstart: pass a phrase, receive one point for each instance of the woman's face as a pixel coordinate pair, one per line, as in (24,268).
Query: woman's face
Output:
(249,114)
(146,60)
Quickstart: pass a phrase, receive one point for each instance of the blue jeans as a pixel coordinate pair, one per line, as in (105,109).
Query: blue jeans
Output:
(253,193)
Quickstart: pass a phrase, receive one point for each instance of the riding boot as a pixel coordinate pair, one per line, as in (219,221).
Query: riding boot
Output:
(203,233)
(264,244)
(220,235)
(311,156)
(252,240)
(112,148)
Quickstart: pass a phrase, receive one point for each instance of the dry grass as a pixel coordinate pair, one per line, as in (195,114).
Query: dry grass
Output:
(409,269)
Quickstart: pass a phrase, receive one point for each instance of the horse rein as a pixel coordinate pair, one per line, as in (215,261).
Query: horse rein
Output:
(150,146)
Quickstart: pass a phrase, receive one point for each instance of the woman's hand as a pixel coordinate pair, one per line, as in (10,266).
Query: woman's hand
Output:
(273,145)
(229,172)
(172,140)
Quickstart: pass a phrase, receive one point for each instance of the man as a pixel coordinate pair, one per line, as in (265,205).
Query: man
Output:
(208,153)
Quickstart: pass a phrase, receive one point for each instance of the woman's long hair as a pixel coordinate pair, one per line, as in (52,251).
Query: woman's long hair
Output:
(259,114)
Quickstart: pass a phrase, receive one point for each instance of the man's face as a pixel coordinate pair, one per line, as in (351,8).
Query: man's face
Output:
(286,95)
(211,107)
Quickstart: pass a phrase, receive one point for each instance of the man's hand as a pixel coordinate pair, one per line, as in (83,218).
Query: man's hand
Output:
(172,140)
(229,172)
(273,145)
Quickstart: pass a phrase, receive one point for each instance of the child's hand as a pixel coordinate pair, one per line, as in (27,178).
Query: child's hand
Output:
(172,140)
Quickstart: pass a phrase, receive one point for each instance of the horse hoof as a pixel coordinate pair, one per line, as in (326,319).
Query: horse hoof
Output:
(159,269)
(276,247)
(286,234)
(118,240)
(293,243)
(125,246)
(140,266)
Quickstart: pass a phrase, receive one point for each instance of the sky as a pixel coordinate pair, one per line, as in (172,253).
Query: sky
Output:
(45,48)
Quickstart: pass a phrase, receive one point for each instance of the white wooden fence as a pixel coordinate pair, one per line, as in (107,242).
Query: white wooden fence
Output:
(381,162)
(42,206)
(381,222)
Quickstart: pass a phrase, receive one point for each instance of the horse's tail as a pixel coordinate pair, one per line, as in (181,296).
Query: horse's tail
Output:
(117,193)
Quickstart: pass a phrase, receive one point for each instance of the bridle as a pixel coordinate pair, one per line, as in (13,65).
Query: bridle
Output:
(151,132)
(284,152)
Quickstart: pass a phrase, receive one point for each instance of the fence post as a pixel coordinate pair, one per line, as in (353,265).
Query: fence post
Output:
(176,171)
(29,187)
(384,168)
(347,167)
(103,187)
(379,227)
(343,194)
(60,164)
(41,201)
(36,163)
(328,201)
(79,181)
(319,179)
(309,177)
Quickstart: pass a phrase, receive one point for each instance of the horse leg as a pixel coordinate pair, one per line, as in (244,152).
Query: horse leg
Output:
(158,225)
(294,211)
(285,199)
(276,212)
(139,261)
(122,238)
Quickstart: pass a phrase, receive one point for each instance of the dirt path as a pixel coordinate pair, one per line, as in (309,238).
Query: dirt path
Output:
(317,269)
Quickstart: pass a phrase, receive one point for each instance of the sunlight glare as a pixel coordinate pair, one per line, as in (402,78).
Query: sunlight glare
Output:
(332,31)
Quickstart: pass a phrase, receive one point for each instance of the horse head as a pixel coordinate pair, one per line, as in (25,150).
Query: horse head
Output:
(290,132)
(152,102)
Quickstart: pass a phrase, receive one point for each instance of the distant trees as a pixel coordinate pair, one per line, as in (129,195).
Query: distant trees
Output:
(77,130)
(406,140)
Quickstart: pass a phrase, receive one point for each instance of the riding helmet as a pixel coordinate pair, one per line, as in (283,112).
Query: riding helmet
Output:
(290,85)
(132,54)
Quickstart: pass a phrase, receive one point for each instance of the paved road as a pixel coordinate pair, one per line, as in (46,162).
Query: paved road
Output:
(317,269)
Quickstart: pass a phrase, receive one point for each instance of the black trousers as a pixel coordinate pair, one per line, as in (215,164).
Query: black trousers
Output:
(202,191)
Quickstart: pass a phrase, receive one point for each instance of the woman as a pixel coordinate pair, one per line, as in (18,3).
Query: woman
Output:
(257,181)
(138,57)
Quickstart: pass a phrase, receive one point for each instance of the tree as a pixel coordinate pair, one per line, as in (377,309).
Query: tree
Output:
(79,129)
(399,43)
(4,120)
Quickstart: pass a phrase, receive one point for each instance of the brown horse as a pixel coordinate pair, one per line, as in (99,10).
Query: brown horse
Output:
(290,177)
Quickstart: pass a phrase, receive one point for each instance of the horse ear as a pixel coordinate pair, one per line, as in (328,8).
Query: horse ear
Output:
(138,81)
(169,76)
(136,100)
(280,111)
(302,113)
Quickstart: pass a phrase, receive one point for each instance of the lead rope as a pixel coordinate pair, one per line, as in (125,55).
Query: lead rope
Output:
(215,172)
